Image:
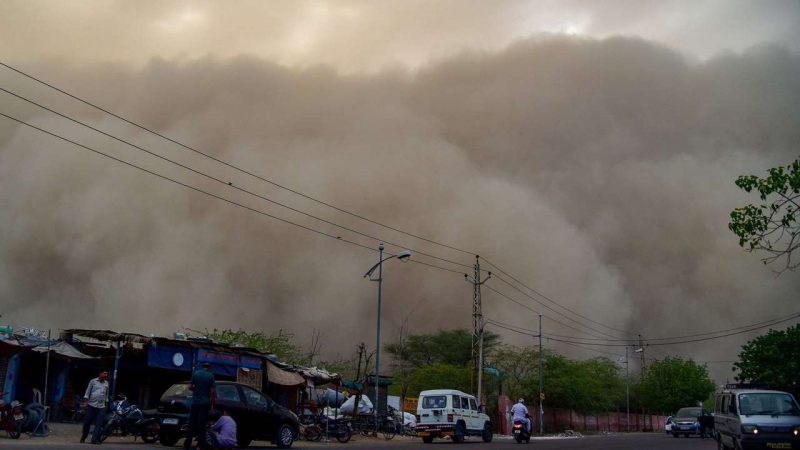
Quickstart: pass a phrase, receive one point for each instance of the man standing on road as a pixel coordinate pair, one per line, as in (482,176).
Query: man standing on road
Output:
(202,387)
(95,399)
(521,413)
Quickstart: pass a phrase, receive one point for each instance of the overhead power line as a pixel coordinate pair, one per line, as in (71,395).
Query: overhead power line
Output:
(224,182)
(687,340)
(233,166)
(202,191)
(551,309)
(549,299)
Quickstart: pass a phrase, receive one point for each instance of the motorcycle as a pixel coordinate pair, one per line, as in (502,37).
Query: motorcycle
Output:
(125,419)
(12,419)
(339,428)
(520,431)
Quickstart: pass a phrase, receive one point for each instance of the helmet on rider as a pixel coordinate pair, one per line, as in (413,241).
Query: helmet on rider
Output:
(521,400)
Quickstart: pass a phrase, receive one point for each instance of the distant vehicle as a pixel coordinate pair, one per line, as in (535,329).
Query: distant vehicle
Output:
(687,421)
(756,418)
(447,412)
(668,425)
(256,415)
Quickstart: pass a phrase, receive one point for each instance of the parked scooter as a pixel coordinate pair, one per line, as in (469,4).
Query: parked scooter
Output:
(125,419)
(520,431)
(11,418)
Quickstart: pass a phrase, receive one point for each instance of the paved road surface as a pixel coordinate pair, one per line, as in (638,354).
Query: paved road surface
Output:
(648,441)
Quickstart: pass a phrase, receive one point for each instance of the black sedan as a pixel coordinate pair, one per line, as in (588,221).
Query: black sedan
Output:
(257,416)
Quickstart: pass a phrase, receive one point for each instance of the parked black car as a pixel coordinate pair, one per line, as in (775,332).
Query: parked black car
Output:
(257,416)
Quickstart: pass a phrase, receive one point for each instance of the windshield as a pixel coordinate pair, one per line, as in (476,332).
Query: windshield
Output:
(178,390)
(434,401)
(689,412)
(768,403)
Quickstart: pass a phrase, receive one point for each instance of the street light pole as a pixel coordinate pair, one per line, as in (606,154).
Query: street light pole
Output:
(541,381)
(378,334)
(402,256)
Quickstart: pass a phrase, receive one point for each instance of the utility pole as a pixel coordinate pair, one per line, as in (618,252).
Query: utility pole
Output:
(477,325)
(541,381)
(627,391)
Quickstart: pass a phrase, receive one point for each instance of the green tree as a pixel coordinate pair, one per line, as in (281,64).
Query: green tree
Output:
(452,347)
(772,226)
(593,385)
(519,366)
(279,343)
(439,376)
(673,383)
(772,358)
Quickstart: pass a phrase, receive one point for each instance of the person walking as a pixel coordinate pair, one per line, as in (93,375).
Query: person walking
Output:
(520,412)
(223,432)
(96,400)
(202,387)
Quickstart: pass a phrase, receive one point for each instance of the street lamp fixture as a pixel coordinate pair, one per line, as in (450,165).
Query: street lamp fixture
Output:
(402,256)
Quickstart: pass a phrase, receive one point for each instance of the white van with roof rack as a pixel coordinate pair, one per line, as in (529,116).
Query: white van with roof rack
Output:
(447,412)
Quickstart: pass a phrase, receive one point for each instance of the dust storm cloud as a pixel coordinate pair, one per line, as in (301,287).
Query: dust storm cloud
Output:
(598,171)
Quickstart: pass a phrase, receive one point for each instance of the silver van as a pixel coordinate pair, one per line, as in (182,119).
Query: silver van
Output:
(756,418)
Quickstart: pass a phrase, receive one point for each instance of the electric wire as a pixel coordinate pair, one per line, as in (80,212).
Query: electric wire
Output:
(687,341)
(226,183)
(543,315)
(549,299)
(553,310)
(233,202)
(232,166)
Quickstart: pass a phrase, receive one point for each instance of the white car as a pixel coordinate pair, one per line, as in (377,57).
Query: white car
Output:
(447,412)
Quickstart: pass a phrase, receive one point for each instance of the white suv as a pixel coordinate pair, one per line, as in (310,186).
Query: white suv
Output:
(447,412)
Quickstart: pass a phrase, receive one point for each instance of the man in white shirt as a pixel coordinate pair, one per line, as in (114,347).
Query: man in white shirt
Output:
(521,413)
(95,401)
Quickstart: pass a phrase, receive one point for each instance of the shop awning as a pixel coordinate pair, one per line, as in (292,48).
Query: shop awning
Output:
(63,349)
(276,375)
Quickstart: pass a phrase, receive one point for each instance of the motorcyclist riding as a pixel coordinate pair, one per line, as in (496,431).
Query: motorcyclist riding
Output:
(521,414)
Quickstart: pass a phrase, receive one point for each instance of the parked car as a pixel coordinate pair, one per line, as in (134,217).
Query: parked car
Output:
(257,416)
(446,412)
(687,421)
(756,418)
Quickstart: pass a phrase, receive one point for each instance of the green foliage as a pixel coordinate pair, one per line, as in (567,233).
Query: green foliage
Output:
(519,365)
(772,226)
(772,358)
(592,385)
(280,344)
(588,386)
(674,383)
(452,347)
(439,376)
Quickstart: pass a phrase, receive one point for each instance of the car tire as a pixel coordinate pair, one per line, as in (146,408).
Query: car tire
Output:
(487,433)
(458,433)
(427,439)
(168,439)
(284,438)
(674,435)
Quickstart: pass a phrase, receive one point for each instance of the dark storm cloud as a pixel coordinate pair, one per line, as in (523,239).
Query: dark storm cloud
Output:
(599,171)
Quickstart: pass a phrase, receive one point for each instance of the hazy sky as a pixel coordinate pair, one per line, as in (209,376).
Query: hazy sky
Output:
(587,148)
(367,35)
